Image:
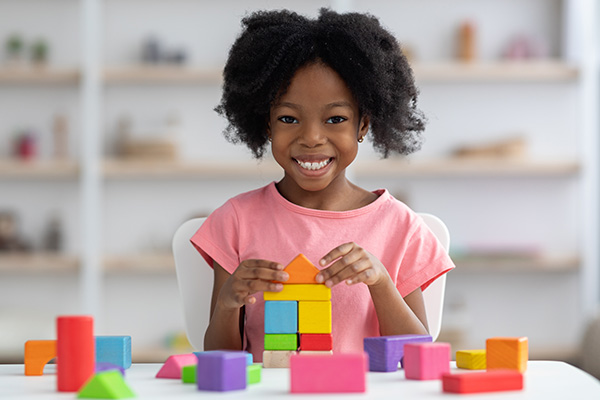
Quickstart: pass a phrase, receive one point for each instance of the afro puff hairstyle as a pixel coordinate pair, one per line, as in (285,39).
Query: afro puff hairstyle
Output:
(274,44)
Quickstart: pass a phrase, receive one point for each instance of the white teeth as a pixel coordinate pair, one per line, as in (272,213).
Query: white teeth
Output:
(313,166)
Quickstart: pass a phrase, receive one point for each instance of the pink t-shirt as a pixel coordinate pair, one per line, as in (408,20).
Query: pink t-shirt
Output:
(262,224)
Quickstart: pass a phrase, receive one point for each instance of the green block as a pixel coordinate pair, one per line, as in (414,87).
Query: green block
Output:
(253,372)
(106,385)
(188,374)
(281,341)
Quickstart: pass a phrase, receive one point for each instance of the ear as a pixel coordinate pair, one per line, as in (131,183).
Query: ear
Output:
(363,126)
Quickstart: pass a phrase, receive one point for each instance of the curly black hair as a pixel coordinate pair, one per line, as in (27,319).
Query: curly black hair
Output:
(274,44)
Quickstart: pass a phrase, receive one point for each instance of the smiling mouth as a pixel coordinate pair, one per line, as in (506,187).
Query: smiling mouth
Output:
(313,166)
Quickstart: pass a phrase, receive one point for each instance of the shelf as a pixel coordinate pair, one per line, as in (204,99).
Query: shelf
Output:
(37,263)
(124,169)
(543,264)
(498,71)
(51,169)
(162,74)
(404,168)
(140,263)
(40,75)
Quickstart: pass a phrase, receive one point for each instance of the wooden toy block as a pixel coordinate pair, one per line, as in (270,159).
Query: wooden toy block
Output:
(297,292)
(171,369)
(281,341)
(338,373)
(106,385)
(315,352)
(105,366)
(114,349)
(470,359)
(281,316)
(426,361)
(277,359)
(301,270)
(316,341)
(38,353)
(480,382)
(385,352)
(188,373)
(253,373)
(507,353)
(74,351)
(221,371)
(249,358)
(314,316)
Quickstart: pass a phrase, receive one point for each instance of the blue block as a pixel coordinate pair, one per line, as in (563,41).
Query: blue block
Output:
(249,359)
(385,352)
(114,350)
(281,316)
(221,370)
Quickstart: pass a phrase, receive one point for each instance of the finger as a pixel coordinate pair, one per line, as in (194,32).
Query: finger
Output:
(343,266)
(336,253)
(350,272)
(362,277)
(268,271)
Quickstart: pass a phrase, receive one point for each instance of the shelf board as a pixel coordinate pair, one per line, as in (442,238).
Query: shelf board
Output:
(162,74)
(50,169)
(124,169)
(140,263)
(39,75)
(455,167)
(37,262)
(542,264)
(497,71)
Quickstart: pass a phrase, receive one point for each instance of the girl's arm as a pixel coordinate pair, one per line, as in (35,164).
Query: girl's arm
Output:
(231,292)
(397,316)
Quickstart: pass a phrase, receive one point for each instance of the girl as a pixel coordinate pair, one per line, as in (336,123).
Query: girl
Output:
(313,90)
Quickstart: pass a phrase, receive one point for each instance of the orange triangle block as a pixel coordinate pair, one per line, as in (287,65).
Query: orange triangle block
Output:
(301,270)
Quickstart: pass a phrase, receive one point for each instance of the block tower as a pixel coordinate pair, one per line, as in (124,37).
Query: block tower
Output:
(297,319)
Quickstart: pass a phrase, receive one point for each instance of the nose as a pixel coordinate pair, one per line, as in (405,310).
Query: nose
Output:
(312,135)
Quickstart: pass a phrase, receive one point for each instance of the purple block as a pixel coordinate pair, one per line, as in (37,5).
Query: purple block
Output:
(221,370)
(106,366)
(385,352)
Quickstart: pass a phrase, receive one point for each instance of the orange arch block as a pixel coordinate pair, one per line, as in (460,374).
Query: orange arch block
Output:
(301,270)
(37,354)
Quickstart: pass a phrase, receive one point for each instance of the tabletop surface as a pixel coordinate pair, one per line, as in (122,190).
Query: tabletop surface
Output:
(543,380)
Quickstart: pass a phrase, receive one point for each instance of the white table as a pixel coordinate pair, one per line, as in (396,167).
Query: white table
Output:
(543,380)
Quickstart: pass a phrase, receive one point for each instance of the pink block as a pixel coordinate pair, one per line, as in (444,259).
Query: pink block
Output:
(171,369)
(426,361)
(332,373)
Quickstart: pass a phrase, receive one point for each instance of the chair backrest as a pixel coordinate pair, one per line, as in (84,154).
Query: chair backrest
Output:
(196,280)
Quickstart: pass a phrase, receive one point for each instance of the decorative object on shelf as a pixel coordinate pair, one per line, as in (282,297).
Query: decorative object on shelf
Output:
(153,52)
(467,42)
(39,52)
(60,136)
(513,148)
(25,146)
(53,240)
(9,235)
(148,145)
(14,49)
(523,47)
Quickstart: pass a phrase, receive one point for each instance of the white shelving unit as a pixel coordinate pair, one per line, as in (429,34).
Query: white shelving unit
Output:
(126,210)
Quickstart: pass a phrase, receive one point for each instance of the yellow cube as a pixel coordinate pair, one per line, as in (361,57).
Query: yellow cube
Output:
(507,353)
(297,292)
(470,359)
(314,317)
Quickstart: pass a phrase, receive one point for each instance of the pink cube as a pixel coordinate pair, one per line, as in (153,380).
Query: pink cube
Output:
(426,361)
(333,373)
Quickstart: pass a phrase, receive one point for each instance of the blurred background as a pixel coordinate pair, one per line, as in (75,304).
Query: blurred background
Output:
(109,141)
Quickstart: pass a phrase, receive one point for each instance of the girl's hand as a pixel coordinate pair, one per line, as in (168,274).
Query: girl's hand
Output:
(354,265)
(250,277)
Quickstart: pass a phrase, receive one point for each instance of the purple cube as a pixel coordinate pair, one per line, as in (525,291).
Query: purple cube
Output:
(221,371)
(385,352)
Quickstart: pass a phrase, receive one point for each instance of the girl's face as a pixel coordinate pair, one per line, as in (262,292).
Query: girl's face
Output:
(314,128)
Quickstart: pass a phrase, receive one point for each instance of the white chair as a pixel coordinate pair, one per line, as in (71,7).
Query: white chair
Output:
(195,281)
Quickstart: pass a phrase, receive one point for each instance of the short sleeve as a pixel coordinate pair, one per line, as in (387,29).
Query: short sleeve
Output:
(218,238)
(425,259)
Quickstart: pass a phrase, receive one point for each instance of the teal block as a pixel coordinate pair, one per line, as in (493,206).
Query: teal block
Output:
(114,349)
(281,316)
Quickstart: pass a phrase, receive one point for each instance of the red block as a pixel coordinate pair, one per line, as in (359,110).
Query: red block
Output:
(75,352)
(479,382)
(336,373)
(316,341)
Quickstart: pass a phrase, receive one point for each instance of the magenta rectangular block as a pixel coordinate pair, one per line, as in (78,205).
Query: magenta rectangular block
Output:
(334,373)
(426,361)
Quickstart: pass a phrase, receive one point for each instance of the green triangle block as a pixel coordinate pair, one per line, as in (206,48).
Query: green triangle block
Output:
(106,385)
(188,373)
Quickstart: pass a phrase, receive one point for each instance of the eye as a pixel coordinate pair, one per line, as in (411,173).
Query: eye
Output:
(286,119)
(336,120)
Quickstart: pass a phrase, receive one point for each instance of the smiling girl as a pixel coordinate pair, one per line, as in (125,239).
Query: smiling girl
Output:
(314,90)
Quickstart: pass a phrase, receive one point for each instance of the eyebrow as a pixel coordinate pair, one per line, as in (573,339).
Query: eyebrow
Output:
(327,106)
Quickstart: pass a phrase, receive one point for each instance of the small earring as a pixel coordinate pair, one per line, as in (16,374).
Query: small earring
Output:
(361,139)
(270,139)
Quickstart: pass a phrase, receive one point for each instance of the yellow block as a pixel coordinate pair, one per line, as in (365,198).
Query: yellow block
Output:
(300,292)
(507,353)
(314,317)
(470,359)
